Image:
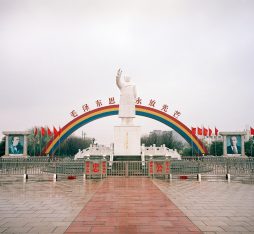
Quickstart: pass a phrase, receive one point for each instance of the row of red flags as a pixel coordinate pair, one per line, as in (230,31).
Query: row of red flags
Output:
(46,131)
(208,131)
(204,131)
(195,131)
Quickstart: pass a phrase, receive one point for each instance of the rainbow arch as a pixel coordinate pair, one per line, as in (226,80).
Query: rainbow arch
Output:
(110,110)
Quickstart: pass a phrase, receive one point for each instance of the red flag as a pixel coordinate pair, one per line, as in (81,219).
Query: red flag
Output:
(42,131)
(49,132)
(216,131)
(60,131)
(55,132)
(205,131)
(35,131)
(251,131)
(210,131)
(200,131)
(193,130)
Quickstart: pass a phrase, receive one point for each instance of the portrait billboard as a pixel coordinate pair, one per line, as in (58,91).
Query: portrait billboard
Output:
(234,144)
(16,145)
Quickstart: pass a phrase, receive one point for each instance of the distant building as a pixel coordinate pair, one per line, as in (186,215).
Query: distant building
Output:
(210,139)
(175,134)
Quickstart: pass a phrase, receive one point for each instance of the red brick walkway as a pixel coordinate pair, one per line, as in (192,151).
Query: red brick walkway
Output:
(131,205)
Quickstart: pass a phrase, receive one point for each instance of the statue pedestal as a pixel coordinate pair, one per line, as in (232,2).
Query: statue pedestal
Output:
(127,140)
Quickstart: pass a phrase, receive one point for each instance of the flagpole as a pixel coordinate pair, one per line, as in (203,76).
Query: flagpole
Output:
(59,143)
(193,132)
(34,141)
(40,143)
(203,137)
(251,145)
(192,147)
(215,145)
(34,145)
(216,134)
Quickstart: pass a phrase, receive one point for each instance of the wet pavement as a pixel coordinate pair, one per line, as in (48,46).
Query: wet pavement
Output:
(131,205)
(125,205)
(215,207)
(42,206)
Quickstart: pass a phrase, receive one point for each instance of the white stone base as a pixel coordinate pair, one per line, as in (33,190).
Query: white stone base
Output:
(127,140)
(15,156)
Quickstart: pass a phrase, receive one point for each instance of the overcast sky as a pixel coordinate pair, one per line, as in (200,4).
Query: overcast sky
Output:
(197,56)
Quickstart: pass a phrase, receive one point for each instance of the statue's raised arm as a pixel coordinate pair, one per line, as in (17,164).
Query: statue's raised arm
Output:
(128,97)
(118,79)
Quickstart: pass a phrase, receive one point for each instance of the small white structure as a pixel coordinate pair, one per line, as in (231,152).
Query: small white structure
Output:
(96,150)
(159,151)
(103,151)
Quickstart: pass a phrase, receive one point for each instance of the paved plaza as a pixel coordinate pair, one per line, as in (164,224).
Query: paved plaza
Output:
(131,205)
(125,205)
(42,206)
(214,207)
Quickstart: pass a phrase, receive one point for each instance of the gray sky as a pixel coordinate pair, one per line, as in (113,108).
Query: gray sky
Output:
(196,56)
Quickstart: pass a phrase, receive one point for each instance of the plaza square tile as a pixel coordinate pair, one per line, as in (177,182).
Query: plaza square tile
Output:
(131,205)
(42,206)
(214,207)
(126,205)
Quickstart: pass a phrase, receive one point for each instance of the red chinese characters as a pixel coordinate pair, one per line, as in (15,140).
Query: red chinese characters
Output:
(104,168)
(164,108)
(151,167)
(177,114)
(159,168)
(167,170)
(111,101)
(152,103)
(96,167)
(98,103)
(87,168)
(74,114)
(85,108)
(139,101)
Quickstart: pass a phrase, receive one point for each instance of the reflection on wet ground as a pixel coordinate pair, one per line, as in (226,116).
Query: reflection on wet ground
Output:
(41,205)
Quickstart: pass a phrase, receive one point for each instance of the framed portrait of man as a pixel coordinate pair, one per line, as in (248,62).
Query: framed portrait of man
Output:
(234,144)
(16,145)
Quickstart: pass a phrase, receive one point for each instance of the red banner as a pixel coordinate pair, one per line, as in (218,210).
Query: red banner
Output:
(49,132)
(193,131)
(104,167)
(42,131)
(87,168)
(216,132)
(151,167)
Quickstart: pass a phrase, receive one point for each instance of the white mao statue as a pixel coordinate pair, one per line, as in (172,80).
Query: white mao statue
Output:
(127,98)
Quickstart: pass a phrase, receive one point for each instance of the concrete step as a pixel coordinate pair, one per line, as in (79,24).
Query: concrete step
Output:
(127,158)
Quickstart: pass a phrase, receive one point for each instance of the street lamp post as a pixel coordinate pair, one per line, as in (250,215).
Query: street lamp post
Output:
(251,145)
